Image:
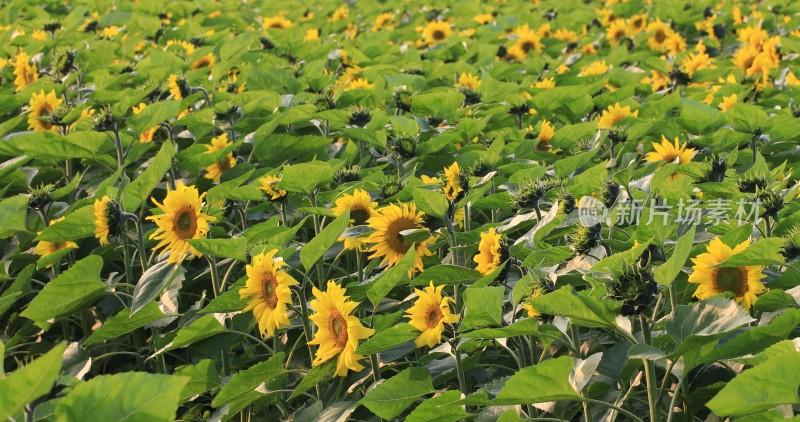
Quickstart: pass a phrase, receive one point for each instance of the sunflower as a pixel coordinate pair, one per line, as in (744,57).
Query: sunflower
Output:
(41,106)
(528,42)
(490,252)
(429,314)
(436,32)
(454,186)
(86,113)
(545,83)
(468,80)
(147,135)
(616,32)
(358,83)
(660,33)
(24,72)
(546,132)
(338,332)
(361,209)
(267,291)
(214,171)
(667,152)
(341,13)
(728,102)
(388,223)
(187,47)
(528,306)
(178,87)
(743,282)
(278,22)
(598,67)
(483,18)
(205,61)
(311,35)
(107,214)
(615,114)
(269,185)
(44,248)
(515,52)
(181,220)
(382,21)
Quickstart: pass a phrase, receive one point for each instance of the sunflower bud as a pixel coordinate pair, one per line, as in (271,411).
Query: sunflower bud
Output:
(405,146)
(391,187)
(566,202)
(771,202)
(346,174)
(608,193)
(402,98)
(104,119)
(472,97)
(753,183)
(584,239)
(360,116)
(791,247)
(531,193)
(65,62)
(636,289)
(266,44)
(40,197)
(52,26)
(56,118)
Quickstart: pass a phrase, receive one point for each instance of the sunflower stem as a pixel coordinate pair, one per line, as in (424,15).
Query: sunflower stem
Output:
(307,333)
(215,287)
(126,260)
(462,379)
(649,372)
(674,400)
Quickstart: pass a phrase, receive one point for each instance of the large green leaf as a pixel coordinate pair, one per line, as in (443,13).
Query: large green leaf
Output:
(484,307)
(446,274)
(755,339)
(445,407)
(71,291)
(123,323)
(432,203)
(770,383)
(316,247)
(137,192)
(547,381)
(388,338)
(30,382)
(765,251)
(152,282)
(665,274)
(128,396)
(391,277)
(582,310)
(13,211)
(235,247)
(699,118)
(245,381)
(391,397)
(202,377)
(305,177)
(77,225)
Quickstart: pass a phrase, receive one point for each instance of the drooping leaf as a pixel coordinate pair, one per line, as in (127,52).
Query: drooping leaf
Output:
(30,382)
(393,396)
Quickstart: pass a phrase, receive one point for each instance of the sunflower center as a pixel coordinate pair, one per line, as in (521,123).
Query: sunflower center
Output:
(660,36)
(433,316)
(439,35)
(394,238)
(527,46)
(224,164)
(732,280)
(337,327)
(185,224)
(269,290)
(359,215)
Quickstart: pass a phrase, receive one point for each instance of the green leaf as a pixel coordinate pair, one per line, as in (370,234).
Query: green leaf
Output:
(699,118)
(446,274)
(582,310)
(431,202)
(202,377)
(770,383)
(128,396)
(223,190)
(665,274)
(13,212)
(445,407)
(30,382)
(550,256)
(748,118)
(756,339)
(71,291)
(547,381)
(388,338)
(152,282)
(76,225)
(313,377)
(245,381)
(391,397)
(154,114)
(228,301)
(123,323)
(316,247)
(524,327)
(52,147)
(565,166)
(484,307)
(137,192)
(616,262)
(235,247)
(273,150)
(200,329)
(437,104)
(391,277)
(765,251)
(305,177)
(403,126)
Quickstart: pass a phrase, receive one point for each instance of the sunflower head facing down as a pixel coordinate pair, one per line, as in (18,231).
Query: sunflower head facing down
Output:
(178,87)
(41,107)
(743,282)
(491,252)
(44,248)
(615,114)
(182,219)
(338,331)
(227,162)
(388,223)
(429,314)
(668,152)
(455,185)
(436,32)
(107,219)
(361,209)
(267,292)
(269,185)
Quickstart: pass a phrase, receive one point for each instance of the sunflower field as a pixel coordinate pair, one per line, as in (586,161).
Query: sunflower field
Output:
(445,210)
